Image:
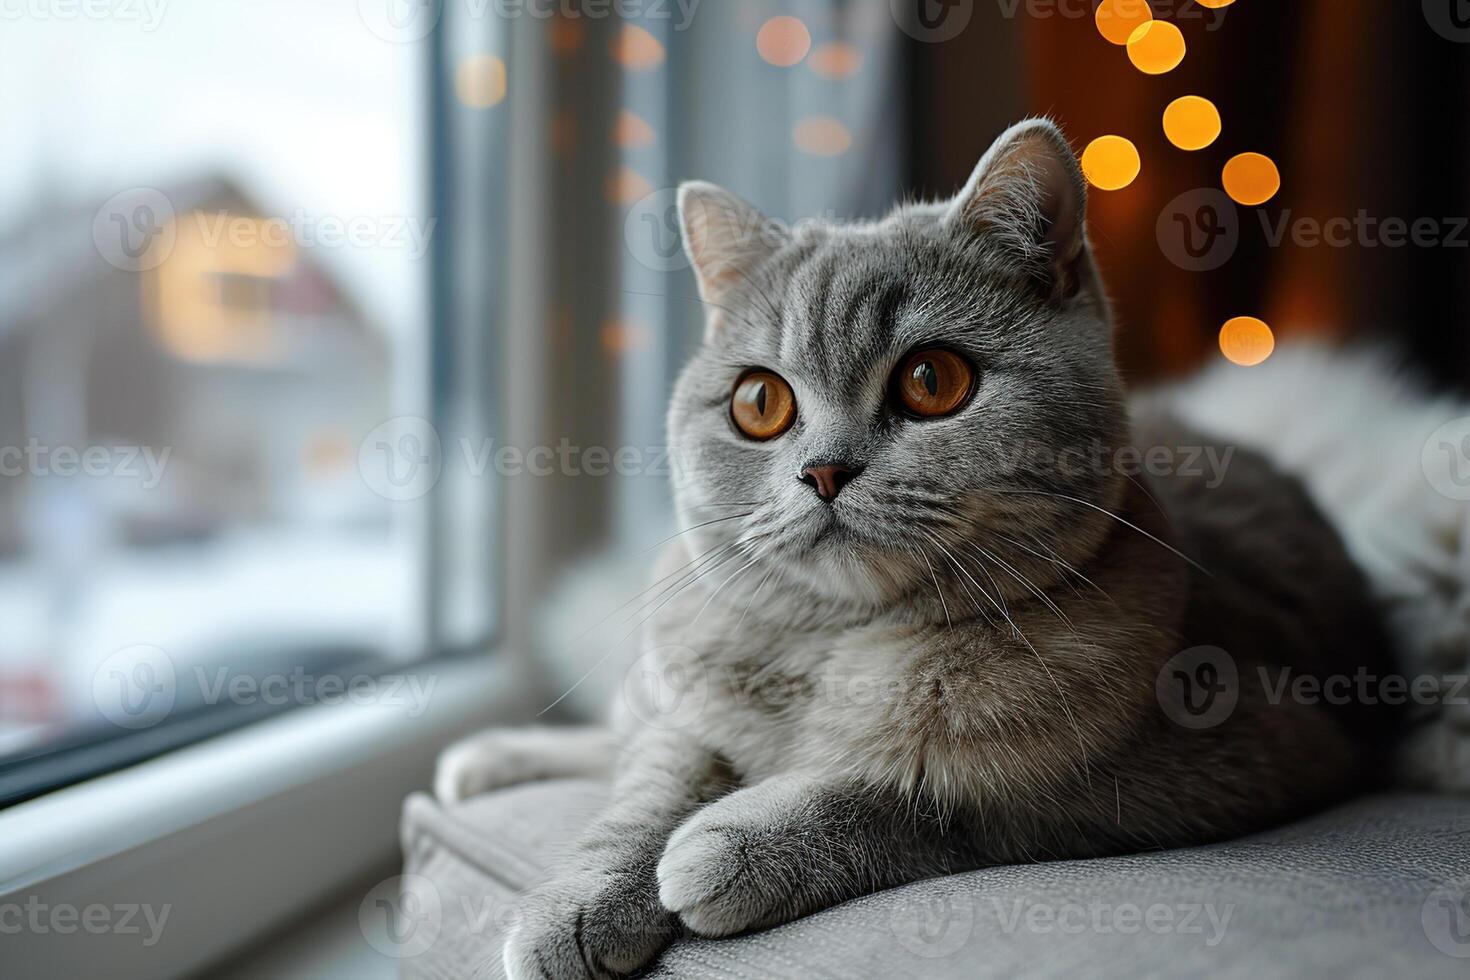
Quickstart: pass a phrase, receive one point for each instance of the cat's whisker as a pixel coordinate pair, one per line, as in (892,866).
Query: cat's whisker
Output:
(624,605)
(940,592)
(1124,521)
(1052,558)
(1028,584)
(687,530)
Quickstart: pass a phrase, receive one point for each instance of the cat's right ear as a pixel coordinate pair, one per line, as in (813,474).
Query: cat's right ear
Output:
(726,239)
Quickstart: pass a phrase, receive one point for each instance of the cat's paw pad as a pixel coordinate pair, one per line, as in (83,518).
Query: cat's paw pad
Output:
(588,929)
(705,878)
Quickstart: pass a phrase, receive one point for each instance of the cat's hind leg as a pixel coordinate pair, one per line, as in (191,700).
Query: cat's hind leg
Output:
(503,757)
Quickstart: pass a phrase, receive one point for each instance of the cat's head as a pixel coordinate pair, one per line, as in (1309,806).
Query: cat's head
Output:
(888,401)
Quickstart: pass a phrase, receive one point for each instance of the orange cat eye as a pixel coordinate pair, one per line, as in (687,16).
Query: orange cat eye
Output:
(933,383)
(764,406)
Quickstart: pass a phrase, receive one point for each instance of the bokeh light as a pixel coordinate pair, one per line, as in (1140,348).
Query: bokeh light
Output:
(1111,163)
(822,136)
(628,186)
(479,81)
(1118,19)
(836,60)
(632,131)
(1156,47)
(1192,123)
(1214,4)
(636,49)
(1251,179)
(1246,341)
(783,41)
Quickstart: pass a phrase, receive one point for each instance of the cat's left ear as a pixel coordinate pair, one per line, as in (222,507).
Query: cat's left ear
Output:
(1028,192)
(726,239)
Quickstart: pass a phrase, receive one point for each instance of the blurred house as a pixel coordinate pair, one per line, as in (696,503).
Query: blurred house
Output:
(237,355)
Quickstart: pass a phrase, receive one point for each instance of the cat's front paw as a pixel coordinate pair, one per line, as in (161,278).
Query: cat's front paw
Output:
(714,879)
(590,926)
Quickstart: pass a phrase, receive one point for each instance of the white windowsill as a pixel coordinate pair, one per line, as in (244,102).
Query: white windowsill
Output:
(237,835)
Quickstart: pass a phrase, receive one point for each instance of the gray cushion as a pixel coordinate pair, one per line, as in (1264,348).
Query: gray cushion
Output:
(1377,888)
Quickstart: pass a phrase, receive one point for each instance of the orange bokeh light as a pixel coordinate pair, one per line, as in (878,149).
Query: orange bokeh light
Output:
(1247,341)
(1251,179)
(636,49)
(783,41)
(1118,19)
(1192,123)
(836,60)
(1156,47)
(822,136)
(632,131)
(1111,163)
(1214,4)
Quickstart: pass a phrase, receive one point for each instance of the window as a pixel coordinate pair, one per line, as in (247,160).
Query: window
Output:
(215,352)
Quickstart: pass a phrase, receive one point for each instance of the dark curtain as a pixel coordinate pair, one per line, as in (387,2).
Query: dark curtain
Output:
(1361,105)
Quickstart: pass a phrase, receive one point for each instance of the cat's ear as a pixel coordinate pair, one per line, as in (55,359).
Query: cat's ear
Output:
(726,238)
(1028,192)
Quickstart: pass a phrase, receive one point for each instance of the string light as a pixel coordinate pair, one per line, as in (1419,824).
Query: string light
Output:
(1118,19)
(1246,341)
(783,41)
(1111,163)
(1192,123)
(1251,179)
(1156,47)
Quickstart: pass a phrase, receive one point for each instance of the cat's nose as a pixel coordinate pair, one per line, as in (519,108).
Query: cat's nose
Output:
(828,479)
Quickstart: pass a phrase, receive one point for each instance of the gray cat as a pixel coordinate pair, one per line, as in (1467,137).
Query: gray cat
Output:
(946,602)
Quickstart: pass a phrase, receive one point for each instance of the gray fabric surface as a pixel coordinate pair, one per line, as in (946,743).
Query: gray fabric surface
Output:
(1352,892)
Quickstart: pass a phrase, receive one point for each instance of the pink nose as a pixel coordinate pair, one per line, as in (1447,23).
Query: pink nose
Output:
(828,479)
